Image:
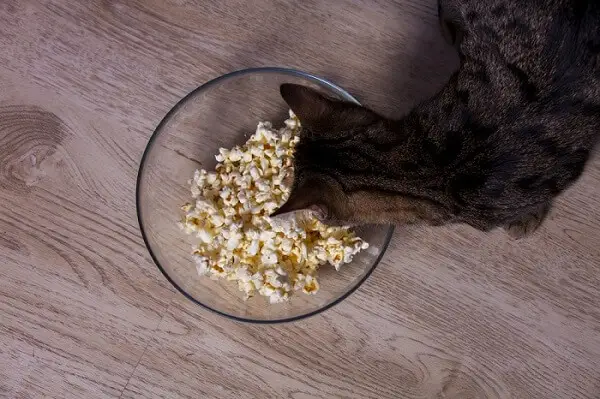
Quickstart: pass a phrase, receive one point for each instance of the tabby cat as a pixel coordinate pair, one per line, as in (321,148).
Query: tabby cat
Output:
(512,128)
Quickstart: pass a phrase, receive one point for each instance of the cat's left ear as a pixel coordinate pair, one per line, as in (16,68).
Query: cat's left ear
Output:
(309,106)
(320,113)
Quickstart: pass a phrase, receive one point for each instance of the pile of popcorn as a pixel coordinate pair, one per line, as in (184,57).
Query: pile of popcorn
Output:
(237,240)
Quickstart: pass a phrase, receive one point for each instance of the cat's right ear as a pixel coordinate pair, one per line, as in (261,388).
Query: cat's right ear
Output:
(309,106)
(309,195)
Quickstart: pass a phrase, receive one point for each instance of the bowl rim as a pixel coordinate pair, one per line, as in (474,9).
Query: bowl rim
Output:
(281,70)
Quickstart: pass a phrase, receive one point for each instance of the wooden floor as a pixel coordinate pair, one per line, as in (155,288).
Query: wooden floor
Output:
(84,313)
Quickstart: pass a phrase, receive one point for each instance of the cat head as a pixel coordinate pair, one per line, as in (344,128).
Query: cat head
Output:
(329,129)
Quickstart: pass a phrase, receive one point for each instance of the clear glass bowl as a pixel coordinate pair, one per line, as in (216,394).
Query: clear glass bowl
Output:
(223,113)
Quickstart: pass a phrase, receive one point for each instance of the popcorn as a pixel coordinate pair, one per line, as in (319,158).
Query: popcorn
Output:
(238,241)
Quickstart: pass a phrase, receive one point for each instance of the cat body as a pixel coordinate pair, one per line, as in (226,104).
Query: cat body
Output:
(512,128)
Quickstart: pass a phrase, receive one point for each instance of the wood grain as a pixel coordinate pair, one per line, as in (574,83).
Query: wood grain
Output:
(450,312)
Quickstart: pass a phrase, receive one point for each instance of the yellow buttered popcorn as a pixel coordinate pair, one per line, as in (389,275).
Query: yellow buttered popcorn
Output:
(238,241)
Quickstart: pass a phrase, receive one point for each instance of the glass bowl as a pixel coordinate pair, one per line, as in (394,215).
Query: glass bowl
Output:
(223,113)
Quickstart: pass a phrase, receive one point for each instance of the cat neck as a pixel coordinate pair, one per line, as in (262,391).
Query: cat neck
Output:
(424,148)
(434,133)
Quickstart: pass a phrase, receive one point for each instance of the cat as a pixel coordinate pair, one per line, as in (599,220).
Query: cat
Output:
(512,128)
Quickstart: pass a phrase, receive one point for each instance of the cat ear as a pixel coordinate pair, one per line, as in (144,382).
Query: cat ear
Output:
(306,197)
(309,106)
(319,210)
(322,114)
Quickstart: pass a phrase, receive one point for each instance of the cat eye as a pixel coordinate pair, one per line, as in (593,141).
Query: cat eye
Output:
(452,32)
(449,23)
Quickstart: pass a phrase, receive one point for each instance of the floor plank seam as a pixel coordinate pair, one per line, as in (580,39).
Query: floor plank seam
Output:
(144,351)
(135,368)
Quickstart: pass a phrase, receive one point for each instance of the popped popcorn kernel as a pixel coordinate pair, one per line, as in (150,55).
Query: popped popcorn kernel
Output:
(238,241)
